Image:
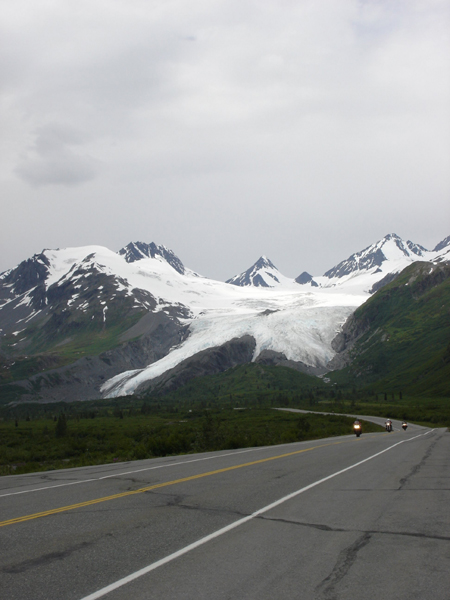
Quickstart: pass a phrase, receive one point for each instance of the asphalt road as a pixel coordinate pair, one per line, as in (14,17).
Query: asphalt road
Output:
(341,518)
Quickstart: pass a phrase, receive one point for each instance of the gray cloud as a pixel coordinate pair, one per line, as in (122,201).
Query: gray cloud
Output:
(225,129)
(52,159)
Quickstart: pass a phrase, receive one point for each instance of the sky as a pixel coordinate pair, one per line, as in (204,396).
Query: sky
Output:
(303,130)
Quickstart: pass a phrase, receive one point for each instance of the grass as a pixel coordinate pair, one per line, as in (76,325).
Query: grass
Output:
(430,412)
(103,434)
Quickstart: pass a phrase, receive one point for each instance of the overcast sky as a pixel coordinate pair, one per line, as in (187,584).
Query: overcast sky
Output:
(304,130)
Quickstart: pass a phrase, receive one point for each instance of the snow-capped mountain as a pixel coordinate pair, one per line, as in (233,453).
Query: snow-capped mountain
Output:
(363,272)
(390,249)
(112,323)
(262,274)
(380,263)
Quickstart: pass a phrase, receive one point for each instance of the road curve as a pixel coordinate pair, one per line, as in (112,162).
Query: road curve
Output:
(329,519)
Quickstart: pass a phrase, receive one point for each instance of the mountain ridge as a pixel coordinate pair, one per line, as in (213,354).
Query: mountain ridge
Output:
(84,322)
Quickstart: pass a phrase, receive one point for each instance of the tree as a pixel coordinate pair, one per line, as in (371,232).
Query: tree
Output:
(61,426)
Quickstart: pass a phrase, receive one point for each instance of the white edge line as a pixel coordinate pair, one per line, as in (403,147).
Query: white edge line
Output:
(175,464)
(183,462)
(219,532)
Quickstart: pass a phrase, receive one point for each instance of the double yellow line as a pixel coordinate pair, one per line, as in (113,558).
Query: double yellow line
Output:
(55,511)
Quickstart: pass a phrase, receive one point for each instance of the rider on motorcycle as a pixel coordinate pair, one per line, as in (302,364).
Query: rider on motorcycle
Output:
(357,428)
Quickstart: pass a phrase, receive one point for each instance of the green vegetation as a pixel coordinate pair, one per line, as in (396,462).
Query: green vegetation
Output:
(230,410)
(93,339)
(250,382)
(76,340)
(406,345)
(37,437)
(64,349)
(264,386)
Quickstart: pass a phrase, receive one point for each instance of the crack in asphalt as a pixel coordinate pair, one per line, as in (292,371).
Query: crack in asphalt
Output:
(213,510)
(46,559)
(370,532)
(419,465)
(345,561)
(178,501)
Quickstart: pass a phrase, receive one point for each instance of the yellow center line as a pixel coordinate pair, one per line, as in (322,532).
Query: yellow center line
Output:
(55,511)
(146,489)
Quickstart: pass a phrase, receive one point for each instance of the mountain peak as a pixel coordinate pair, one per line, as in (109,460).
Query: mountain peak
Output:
(139,250)
(263,261)
(305,278)
(444,244)
(262,274)
(29,273)
(390,248)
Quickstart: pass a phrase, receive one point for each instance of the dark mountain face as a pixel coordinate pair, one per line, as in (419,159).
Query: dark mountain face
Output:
(147,341)
(374,259)
(416,248)
(256,275)
(306,278)
(27,275)
(138,250)
(235,352)
(444,244)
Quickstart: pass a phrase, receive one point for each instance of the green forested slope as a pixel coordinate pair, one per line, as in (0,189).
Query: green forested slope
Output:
(400,338)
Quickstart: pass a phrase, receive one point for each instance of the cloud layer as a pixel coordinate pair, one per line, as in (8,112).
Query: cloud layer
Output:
(225,129)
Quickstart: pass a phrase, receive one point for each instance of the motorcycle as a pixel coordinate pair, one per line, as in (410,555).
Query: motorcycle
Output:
(357,429)
(404,425)
(388,426)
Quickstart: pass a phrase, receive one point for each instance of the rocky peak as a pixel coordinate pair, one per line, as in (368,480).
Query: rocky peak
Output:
(306,278)
(262,274)
(28,274)
(391,247)
(139,250)
(442,245)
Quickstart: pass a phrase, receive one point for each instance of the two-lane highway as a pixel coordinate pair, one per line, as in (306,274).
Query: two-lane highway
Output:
(318,520)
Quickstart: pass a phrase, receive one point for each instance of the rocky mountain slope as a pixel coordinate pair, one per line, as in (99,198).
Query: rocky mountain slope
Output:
(80,322)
